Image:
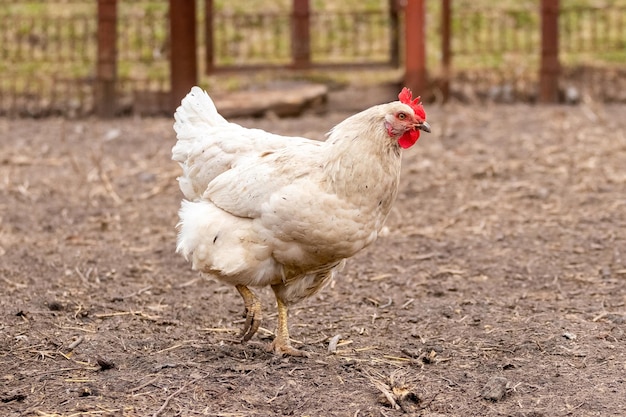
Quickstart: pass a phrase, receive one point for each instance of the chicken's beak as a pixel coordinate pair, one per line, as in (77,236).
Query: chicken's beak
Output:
(423,126)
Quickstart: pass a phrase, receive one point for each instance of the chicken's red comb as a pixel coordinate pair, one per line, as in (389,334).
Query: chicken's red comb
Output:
(406,97)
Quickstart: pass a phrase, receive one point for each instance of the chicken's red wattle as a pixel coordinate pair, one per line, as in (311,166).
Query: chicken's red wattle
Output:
(409,138)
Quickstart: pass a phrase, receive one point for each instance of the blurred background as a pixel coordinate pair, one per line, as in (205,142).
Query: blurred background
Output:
(79,57)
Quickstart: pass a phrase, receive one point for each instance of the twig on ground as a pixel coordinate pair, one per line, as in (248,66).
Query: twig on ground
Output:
(169,398)
(131,295)
(128,313)
(81,329)
(603,315)
(277,392)
(188,283)
(220,330)
(407,303)
(332,345)
(76,342)
(387,304)
(379,277)
(170,348)
(145,384)
(14,284)
(108,186)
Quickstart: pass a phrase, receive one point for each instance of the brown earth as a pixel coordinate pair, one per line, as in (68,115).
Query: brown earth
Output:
(499,290)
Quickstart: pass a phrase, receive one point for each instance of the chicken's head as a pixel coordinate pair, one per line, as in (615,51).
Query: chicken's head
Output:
(406,119)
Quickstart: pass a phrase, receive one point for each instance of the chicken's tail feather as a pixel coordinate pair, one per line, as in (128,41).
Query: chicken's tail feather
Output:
(195,113)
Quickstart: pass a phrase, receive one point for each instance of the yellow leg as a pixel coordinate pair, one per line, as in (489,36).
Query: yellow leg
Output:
(281,344)
(253,312)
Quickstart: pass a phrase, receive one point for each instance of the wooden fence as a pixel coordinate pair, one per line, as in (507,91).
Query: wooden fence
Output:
(49,61)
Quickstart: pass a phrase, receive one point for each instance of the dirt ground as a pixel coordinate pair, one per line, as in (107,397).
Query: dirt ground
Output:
(499,290)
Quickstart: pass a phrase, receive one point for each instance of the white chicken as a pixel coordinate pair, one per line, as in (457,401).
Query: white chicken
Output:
(262,209)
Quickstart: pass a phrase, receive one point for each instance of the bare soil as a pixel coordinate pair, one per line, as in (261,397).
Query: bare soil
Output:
(498,291)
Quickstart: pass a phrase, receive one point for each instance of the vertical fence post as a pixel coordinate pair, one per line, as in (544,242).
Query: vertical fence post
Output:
(550,67)
(446,51)
(208,36)
(106,71)
(394,33)
(415,46)
(183,57)
(301,34)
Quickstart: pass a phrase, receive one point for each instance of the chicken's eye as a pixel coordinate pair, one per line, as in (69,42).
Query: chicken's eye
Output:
(401,116)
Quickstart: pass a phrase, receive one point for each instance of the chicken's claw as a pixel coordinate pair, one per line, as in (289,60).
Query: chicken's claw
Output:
(253,313)
(281,345)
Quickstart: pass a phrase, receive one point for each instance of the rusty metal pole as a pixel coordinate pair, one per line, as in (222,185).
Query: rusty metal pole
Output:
(301,34)
(550,66)
(106,71)
(183,56)
(415,46)
(208,36)
(446,51)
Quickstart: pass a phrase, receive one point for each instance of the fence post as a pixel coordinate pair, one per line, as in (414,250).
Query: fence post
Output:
(106,71)
(550,67)
(183,59)
(208,36)
(394,29)
(446,51)
(415,49)
(300,34)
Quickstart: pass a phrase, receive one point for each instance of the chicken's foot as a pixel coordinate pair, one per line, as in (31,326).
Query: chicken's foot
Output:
(253,312)
(281,344)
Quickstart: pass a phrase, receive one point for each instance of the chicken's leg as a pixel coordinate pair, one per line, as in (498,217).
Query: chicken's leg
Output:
(253,312)
(281,344)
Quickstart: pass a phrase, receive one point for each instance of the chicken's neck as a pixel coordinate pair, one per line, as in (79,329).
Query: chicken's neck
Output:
(363,166)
